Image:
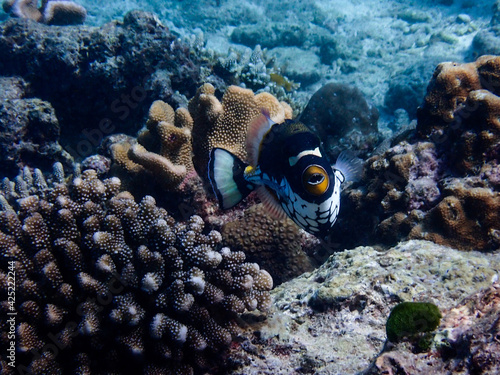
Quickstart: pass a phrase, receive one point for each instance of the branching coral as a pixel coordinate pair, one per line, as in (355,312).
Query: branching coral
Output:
(163,149)
(115,285)
(51,12)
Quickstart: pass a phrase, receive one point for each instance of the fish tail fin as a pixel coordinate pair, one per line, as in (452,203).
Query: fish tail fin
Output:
(350,166)
(226,174)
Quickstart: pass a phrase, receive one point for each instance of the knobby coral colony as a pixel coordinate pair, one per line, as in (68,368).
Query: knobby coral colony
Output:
(51,12)
(108,285)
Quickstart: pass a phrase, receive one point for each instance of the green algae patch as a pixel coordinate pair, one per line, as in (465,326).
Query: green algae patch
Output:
(409,319)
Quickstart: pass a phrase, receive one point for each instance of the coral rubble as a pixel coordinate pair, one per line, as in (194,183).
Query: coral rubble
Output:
(115,285)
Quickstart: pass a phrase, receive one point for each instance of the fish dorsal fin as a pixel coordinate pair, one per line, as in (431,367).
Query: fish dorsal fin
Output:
(256,131)
(270,202)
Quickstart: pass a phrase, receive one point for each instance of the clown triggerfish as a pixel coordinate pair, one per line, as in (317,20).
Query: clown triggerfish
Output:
(288,171)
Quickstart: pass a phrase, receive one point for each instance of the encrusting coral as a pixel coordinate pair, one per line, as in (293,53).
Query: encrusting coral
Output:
(275,244)
(109,284)
(51,12)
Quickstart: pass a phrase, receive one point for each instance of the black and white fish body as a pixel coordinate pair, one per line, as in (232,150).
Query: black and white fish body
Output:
(288,171)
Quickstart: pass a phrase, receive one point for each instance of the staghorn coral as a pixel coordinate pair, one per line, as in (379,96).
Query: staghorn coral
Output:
(275,244)
(51,12)
(163,150)
(109,285)
(225,123)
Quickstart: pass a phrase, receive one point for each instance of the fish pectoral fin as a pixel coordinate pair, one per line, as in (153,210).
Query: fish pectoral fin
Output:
(349,166)
(271,203)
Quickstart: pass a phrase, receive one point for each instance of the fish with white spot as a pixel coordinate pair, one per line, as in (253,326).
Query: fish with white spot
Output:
(288,172)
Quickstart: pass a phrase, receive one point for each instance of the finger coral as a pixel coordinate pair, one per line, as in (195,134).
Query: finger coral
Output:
(51,12)
(110,285)
(163,149)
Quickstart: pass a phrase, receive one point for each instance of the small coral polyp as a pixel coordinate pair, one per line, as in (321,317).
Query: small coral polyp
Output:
(121,286)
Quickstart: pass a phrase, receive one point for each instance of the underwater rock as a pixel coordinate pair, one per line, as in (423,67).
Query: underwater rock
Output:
(342,118)
(29,133)
(466,341)
(297,64)
(100,80)
(487,41)
(337,314)
(407,88)
(51,12)
(270,35)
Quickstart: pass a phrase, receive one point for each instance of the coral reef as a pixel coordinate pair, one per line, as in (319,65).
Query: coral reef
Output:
(466,342)
(332,320)
(460,111)
(342,118)
(224,123)
(29,130)
(106,284)
(51,12)
(431,185)
(100,80)
(275,244)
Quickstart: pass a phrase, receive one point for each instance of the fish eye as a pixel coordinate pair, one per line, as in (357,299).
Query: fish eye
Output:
(315,180)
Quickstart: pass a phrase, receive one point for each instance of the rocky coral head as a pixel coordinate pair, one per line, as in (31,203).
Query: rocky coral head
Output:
(341,117)
(51,12)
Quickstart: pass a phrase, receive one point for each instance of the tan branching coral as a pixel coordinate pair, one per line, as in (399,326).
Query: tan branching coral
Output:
(163,149)
(224,124)
(176,142)
(118,284)
(51,12)
(275,244)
